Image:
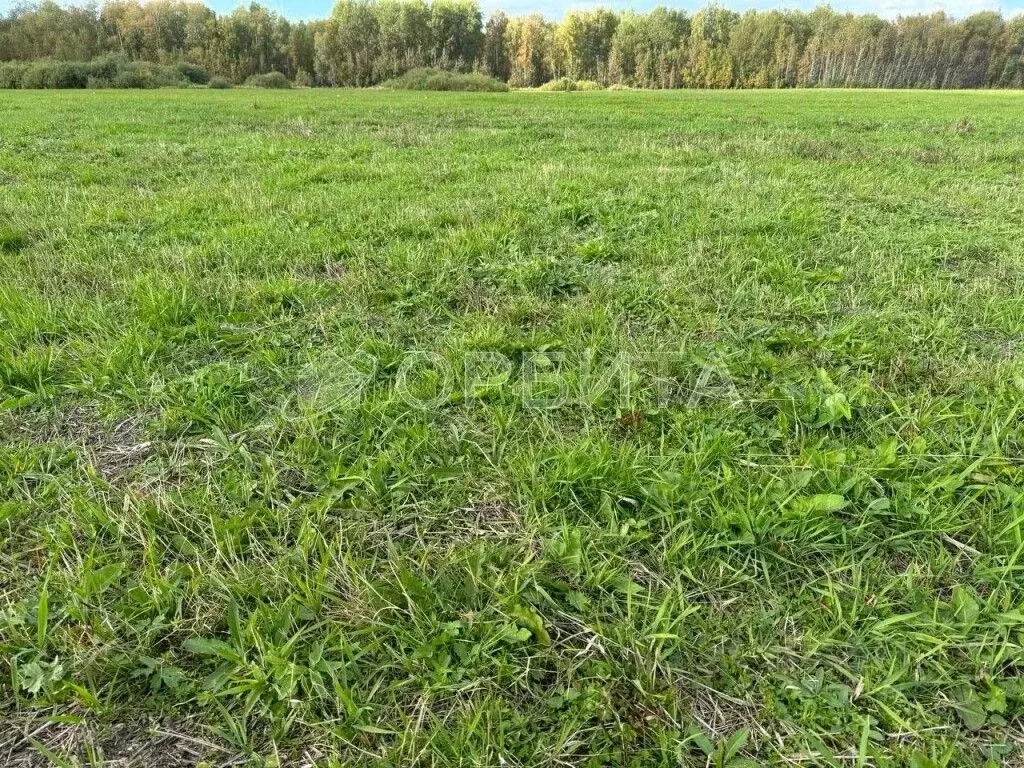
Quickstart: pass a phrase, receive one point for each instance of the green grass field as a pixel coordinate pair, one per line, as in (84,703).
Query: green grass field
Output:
(302,461)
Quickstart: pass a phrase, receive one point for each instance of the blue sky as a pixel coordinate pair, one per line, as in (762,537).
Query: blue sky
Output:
(554,9)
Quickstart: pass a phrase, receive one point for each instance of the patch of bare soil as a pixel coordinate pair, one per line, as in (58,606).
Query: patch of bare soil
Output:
(113,451)
(493,519)
(34,740)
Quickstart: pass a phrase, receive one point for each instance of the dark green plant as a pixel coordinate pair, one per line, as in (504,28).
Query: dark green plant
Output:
(269,80)
(193,73)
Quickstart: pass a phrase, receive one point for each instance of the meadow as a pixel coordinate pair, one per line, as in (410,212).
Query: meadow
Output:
(301,462)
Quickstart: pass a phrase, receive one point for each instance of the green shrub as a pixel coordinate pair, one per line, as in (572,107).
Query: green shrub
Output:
(193,73)
(426,79)
(143,74)
(561,84)
(158,76)
(130,77)
(219,83)
(568,84)
(12,73)
(303,79)
(55,74)
(69,74)
(36,75)
(105,68)
(112,71)
(269,80)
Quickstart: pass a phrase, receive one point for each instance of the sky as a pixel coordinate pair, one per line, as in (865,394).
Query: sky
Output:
(555,9)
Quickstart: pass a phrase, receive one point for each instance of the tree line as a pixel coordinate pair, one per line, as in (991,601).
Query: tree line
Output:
(365,42)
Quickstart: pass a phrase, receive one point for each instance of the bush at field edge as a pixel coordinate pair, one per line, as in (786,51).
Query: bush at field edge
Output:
(428,79)
(269,80)
(568,84)
(110,71)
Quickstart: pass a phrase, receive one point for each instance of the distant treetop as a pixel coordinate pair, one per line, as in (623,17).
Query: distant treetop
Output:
(367,43)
